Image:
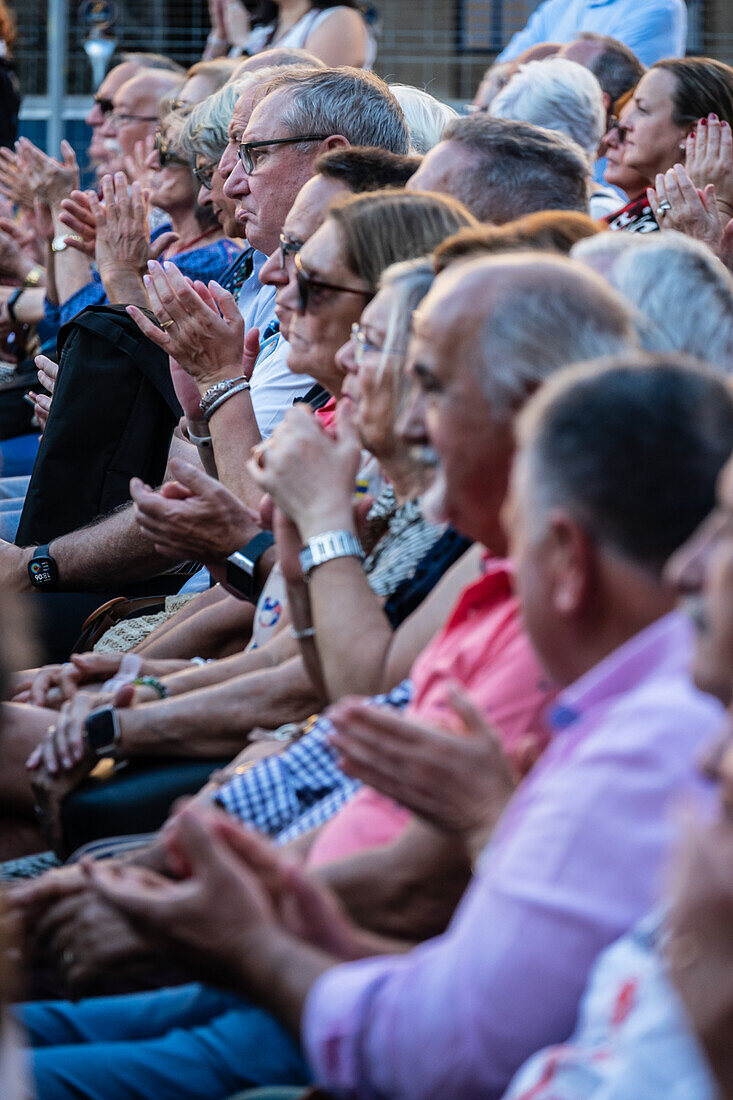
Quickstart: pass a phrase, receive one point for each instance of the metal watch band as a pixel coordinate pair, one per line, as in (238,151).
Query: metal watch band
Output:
(220,389)
(327,547)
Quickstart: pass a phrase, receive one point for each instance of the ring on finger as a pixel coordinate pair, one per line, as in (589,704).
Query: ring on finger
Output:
(167,324)
(664,207)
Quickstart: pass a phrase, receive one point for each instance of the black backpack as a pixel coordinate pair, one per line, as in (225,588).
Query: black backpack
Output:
(112,418)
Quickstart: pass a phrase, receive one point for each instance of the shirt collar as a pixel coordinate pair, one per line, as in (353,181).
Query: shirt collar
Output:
(667,640)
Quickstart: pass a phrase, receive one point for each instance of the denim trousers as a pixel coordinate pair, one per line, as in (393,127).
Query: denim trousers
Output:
(190,1042)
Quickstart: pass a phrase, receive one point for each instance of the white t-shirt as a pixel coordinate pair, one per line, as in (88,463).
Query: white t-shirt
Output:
(299,34)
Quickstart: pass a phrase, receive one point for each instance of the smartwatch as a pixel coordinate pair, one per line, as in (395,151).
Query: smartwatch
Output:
(42,570)
(102,731)
(242,565)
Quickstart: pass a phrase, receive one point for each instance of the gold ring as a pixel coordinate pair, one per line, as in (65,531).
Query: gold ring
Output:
(166,324)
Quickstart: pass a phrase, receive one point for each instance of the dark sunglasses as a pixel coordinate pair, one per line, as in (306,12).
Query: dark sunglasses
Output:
(614,124)
(106,106)
(165,154)
(288,247)
(306,284)
(204,175)
(246,147)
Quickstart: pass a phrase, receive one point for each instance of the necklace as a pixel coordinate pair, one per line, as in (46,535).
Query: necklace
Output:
(187,245)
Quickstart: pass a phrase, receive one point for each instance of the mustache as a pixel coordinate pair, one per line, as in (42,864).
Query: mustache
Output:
(425,455)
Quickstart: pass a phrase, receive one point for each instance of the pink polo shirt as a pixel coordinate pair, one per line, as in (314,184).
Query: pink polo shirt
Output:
(484,648)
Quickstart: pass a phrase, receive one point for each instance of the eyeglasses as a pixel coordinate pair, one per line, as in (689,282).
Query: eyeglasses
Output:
(204,174)
(614,124)
(288,247)
(106,106)
(363,345)
(307,284)
(120,117)
(165,155)
(246,147)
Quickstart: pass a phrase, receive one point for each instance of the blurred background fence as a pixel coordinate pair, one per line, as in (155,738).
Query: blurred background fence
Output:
(443,45)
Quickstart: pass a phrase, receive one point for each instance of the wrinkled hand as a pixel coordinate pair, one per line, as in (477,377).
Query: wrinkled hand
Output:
(692,212)
(29,901)
(64,748)
(207,334)
(459,781)
(194,518)
(709,159)
(700,949)
(54,685)
(91,942)
(136,167)
(309,473)
(14,247)
(121,227)
(76,215)
(213,915)
(48,179)
(12,181)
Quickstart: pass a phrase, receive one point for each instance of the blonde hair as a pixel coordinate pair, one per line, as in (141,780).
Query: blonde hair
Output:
(382,227)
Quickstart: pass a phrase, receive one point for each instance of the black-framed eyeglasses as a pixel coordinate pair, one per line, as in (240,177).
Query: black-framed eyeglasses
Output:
(106,106)
(246,147)
(204,174)
(615,124)
(288,247)
(307,284)
(166,155)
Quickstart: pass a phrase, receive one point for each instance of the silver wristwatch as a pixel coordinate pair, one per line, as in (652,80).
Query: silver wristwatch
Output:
(217,394)
(326,547)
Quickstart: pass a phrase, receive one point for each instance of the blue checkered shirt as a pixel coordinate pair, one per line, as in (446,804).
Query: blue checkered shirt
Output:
(287,795)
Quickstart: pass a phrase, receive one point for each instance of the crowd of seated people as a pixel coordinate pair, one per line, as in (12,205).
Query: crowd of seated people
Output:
(365,775)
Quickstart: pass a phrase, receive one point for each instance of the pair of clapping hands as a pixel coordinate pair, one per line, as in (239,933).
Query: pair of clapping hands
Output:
(697,198)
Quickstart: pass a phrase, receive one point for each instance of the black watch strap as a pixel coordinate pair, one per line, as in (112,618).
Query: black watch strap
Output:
(242,565)
(42,569)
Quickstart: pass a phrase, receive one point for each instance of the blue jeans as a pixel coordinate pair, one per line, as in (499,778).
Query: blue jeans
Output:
(186,1043)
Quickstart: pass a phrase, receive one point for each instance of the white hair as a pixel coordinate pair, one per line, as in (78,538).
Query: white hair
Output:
(559,95)
(683,290)
(204,131)
(426,116)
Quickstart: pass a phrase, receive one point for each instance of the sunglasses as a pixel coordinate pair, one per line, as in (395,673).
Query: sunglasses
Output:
(614,124)
(246,147)
(165,154)
(307,284)
(204,175)
(106,106)
(288,247)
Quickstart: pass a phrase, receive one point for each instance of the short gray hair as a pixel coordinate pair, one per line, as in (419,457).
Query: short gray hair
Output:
(683,290)
(632,448)
(425,115)
(351,102)
(518,168)
(205,130)
(558,94)
(546,312)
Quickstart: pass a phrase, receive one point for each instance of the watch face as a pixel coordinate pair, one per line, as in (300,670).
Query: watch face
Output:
(43,572)
(101,729)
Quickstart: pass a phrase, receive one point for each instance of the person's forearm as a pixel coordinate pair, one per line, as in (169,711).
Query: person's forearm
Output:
(72,269)
(407,890)
(52,291)
(277,971)
(112,551)
(352,648)
(25,265)
(124,286)
(279,649)
(29,307)
(216,721)
(234,433)
(300,613)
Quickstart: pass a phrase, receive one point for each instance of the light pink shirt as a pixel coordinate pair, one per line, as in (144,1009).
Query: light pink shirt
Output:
(575,861)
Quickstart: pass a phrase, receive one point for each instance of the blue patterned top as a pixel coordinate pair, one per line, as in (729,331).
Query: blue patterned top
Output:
(204,263)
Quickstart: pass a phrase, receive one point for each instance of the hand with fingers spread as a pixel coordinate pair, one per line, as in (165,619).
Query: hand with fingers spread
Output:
(709,160)
(195,517)
(458,780)
(136,167)
(677,204)
(76,215)
(202,326)
(48,179)
(310,473)
(15,244)
(12,181)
